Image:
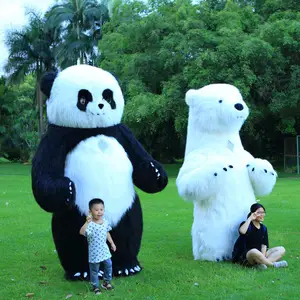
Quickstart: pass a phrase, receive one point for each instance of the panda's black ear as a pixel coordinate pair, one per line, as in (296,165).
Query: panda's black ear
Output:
(47,82)
(115,75)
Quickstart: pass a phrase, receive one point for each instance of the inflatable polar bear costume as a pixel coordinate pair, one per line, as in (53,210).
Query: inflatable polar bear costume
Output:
(218,175)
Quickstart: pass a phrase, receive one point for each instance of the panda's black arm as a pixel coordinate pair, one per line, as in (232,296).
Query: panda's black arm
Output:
(51,189)
(148,174)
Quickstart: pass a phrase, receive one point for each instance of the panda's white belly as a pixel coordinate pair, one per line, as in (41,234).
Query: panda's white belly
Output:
(100,168)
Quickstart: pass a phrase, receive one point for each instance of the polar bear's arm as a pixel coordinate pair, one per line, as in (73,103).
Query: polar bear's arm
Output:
(199,177)
(262,176)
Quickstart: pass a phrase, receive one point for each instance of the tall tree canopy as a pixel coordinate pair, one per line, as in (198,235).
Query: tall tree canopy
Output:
(81,22)
(163,48)
(31,51)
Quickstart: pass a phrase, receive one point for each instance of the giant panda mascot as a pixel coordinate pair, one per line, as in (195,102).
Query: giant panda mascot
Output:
(86,153)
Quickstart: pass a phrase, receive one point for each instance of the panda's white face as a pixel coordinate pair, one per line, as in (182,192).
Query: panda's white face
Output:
(84,96)
(217,108)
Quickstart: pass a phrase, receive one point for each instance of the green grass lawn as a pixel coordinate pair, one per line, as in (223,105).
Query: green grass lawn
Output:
(29,263)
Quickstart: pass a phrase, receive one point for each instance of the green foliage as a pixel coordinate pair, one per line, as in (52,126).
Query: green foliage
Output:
(162,49)
(30,48)
(31,52)
(80,22)
(19,129)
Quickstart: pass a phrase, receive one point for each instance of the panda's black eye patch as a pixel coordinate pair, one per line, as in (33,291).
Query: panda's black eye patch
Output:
(84,97)
(109,97)
(220,101)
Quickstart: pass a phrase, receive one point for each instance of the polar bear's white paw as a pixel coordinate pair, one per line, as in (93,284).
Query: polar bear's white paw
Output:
(262,176)
(225,257)
(260,167)
(224,169)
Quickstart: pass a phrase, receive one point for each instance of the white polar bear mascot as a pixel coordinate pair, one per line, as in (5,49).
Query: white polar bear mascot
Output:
(218,175)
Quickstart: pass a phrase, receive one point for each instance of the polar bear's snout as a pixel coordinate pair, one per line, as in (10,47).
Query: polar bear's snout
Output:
(239,106)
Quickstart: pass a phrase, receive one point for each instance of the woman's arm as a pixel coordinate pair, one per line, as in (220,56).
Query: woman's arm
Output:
(243,229)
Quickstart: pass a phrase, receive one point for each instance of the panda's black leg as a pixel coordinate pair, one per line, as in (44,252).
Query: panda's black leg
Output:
(127,236)
(71,247)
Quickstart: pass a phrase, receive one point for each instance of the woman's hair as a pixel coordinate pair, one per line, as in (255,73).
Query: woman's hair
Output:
(254,207)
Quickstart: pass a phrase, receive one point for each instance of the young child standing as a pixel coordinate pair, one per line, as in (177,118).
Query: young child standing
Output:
(96,229)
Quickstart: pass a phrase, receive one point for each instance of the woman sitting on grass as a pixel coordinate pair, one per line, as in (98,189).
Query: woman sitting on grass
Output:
(254,241)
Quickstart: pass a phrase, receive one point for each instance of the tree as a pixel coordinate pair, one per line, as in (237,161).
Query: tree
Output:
(19,129)
(31,52)
(81,22)
(161,49)
(5,110)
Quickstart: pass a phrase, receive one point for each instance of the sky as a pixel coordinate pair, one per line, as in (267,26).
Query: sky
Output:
(12,16)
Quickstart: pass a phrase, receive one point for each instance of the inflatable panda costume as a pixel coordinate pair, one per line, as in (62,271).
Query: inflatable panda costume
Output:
(86,153)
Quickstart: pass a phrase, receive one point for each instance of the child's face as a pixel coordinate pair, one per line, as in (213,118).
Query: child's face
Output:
(97,211)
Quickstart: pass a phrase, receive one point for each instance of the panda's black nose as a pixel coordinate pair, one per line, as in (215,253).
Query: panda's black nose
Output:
(101,105)
(239,106)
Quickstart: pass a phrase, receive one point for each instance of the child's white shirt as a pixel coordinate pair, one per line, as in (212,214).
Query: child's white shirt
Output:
(97,235)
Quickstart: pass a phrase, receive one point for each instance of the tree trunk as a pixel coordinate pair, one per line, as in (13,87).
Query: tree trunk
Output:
(41,110)
(40,100)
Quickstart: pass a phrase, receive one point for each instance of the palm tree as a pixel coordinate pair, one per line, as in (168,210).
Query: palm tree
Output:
(82,22)
(31,51)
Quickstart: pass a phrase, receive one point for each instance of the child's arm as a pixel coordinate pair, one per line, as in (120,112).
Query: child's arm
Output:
(85,225)
(112,244)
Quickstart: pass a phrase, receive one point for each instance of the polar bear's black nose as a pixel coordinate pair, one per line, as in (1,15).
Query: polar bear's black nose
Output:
(239,106)
(101,105)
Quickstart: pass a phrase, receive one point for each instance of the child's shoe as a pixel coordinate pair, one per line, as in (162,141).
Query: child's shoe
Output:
(96,291)
(107,285)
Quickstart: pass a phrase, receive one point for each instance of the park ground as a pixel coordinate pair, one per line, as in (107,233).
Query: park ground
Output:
(30,266)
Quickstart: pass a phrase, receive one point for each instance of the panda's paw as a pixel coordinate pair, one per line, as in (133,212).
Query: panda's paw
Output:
(155,170)
(133,270)
(76,276)
(71,192)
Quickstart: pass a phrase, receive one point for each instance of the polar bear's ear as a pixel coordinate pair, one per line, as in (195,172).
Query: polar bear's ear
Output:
(190,97)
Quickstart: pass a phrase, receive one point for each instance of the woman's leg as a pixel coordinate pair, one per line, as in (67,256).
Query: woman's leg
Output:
(275,254)
(256,257)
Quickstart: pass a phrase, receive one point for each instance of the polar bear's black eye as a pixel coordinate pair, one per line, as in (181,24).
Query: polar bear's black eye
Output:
(220,101)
